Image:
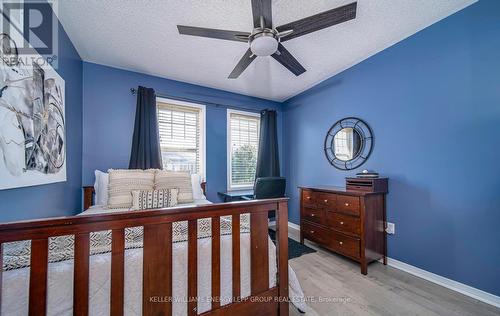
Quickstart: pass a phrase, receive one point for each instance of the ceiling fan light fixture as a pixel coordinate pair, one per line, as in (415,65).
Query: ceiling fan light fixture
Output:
(264,44)
(266,40)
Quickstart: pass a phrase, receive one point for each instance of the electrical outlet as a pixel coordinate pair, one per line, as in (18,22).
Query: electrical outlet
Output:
(391,228)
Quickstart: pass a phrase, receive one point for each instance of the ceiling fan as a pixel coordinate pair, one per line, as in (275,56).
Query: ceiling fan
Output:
(265,40)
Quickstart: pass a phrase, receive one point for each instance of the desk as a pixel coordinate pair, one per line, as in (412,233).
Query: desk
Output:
(236,195)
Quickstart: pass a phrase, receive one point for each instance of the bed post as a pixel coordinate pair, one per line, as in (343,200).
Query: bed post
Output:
(88,194)
(1,274)
(282,256)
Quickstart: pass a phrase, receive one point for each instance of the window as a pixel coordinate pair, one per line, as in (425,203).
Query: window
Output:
(344,144)
(182,135)
(243,144)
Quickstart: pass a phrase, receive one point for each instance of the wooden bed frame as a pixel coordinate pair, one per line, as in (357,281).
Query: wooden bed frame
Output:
(157,257)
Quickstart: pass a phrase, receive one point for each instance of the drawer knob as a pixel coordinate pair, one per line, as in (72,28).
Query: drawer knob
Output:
(326,201)
(312,231)
(341,223)
(312,215)
(346,204)
(308,197)
(341,243)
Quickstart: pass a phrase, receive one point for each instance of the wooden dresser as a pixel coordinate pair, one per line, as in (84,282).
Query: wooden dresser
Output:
(351,223)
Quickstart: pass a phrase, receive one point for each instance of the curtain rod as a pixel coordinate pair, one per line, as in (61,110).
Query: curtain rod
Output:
(218,105)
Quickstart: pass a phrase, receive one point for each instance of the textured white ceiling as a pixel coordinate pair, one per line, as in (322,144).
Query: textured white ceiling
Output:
(141,35)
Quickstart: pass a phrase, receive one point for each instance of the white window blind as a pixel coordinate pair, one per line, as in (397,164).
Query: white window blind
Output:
(180,129)
(243,133)
(344,144)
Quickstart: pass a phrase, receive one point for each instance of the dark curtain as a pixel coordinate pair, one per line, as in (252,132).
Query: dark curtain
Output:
(268,162)
(146,152)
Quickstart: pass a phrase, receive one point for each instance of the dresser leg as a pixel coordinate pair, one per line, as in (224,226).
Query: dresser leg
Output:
(385,246)
(364,268)
(385,233)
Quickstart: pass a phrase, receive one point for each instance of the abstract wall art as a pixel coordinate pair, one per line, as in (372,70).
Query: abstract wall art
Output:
(32,120)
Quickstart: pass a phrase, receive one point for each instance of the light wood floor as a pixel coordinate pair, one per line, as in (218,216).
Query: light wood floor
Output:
(384,291)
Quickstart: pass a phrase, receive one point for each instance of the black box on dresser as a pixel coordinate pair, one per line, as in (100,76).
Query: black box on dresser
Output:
(375,185)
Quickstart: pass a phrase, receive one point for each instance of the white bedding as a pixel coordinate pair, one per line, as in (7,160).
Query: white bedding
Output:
(60,279)
(99,209)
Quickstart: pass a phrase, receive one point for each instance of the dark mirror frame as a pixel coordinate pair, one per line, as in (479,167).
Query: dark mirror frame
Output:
(366,137)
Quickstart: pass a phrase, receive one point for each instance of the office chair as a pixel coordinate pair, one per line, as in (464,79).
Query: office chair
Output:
(269,187)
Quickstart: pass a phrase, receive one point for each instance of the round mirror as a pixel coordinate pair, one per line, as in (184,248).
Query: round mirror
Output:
(348,143)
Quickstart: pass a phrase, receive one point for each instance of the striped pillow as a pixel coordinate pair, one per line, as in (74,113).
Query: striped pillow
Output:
(175,180)
(123,182)
(142,200)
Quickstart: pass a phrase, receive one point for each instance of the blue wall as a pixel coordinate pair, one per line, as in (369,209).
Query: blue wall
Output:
(433,102)
(63,198)
(109,111)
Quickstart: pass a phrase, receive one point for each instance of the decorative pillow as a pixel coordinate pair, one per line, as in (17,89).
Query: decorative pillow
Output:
(101,188)
(175,180)
(123,182)
(142,200)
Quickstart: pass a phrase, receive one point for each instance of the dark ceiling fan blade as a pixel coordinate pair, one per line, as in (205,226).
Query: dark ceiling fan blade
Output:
(214,33)
(262,8)
(242,64)
(284,57)
(319,21)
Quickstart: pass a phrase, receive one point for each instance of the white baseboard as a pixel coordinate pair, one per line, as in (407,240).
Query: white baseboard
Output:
(470,291)
(294,226)
(290,225)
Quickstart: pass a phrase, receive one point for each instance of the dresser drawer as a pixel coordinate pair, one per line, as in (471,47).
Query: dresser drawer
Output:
(308,198)
(343,244)
(314,215)
(325,200)
(343,223)
(348,204)
(314,199)
(315,233)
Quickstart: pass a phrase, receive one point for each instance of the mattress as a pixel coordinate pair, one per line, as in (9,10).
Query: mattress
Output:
(60,278)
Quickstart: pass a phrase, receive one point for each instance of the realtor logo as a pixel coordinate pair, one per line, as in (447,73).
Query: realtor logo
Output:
(28,25)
